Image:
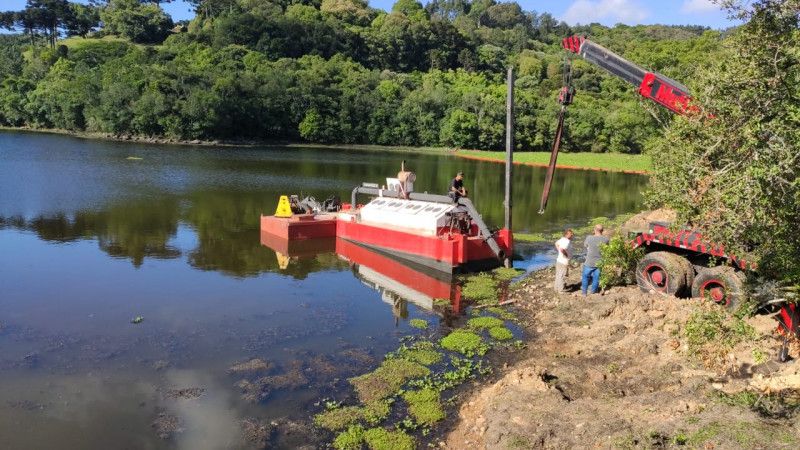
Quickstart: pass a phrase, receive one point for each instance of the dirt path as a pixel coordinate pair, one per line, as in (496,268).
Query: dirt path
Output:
(612,371)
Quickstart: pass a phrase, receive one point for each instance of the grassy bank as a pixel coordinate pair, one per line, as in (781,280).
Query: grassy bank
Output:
(614,162)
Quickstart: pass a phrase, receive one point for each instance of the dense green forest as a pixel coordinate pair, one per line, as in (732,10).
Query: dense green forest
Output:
(329,71)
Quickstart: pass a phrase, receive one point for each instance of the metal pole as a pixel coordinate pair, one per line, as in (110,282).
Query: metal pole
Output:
(509,150)
(509,145)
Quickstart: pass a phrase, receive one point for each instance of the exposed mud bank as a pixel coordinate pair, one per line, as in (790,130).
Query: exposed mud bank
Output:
(616,371)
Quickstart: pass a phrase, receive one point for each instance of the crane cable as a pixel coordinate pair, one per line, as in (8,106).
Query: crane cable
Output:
(564,98)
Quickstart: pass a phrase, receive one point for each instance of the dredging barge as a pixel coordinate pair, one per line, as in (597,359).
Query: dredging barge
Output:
(434,231)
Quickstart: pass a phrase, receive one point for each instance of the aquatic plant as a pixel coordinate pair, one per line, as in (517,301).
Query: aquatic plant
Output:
(464,342)
(421,324)
(343,417)
(500,333)
(481,288)
(383,439)
(423,352)
(351,439)
(424,405)
(506,273)
(340,418)
(387,379)
(484,322)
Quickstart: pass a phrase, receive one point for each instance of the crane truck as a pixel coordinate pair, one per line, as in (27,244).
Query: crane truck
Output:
(677,262)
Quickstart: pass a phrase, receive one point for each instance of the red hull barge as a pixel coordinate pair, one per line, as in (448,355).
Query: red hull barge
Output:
(300,227)
(434,231)
(445,252)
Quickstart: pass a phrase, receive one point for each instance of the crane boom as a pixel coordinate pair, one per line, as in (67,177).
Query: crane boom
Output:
(658,88)
(652,85)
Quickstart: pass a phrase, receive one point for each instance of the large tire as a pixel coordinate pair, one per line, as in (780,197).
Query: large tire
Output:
(664,272)
(722,284)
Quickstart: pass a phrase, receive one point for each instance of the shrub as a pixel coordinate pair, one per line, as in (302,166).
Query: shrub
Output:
(618,262)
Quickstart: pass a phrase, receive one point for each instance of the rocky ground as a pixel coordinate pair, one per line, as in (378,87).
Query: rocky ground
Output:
(622,370)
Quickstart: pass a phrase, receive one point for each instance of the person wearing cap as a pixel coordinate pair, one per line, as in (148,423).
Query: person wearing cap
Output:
(457,189)
(590,269)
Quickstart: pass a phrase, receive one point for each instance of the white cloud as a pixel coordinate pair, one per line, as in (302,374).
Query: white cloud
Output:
(698,6)
(605,11)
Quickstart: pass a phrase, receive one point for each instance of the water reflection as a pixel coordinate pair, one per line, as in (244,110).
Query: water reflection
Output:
(90,239)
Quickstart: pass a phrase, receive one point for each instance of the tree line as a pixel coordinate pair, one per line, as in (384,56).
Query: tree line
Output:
(328,71)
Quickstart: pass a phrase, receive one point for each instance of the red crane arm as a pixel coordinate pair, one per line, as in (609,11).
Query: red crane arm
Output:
(658,88)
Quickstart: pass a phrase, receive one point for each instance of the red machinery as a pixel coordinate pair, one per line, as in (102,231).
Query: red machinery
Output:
(676,262)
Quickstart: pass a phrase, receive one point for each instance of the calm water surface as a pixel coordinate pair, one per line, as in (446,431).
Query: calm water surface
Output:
(93,234)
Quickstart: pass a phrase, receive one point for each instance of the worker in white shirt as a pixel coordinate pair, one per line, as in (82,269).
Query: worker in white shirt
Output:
(562,261)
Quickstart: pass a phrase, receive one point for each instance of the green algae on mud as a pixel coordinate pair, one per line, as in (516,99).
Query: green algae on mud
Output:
(425,406)
(423,352)
(383,439)
(384,381)
(405,392)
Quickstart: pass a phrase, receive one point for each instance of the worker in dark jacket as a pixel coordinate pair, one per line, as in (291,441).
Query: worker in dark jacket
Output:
(590,269)
(457,189)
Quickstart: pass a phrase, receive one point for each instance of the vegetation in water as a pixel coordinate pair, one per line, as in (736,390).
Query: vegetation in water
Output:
(618,262)
(418,374)
(422,352)
(420,324)
(384,381)
(464,342)
(344,416)
(481,288)
(506,273)
(484,323)
(350,439)
(328,71)
(383,439)
(424,406)
(501,333)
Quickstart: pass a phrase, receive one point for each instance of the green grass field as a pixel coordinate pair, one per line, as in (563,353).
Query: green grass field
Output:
(600,161)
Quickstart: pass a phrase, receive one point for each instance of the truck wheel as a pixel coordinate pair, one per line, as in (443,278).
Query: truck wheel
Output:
(664,272)
(722,284)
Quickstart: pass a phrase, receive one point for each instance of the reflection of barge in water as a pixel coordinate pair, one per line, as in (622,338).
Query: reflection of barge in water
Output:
(397,280)
(429,230)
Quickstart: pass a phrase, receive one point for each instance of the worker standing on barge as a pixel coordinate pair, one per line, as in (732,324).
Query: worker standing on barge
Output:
(457,189)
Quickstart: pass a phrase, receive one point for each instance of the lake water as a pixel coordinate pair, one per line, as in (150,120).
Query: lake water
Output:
(93,234)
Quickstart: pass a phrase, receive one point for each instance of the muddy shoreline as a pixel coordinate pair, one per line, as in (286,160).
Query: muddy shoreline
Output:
(615,371)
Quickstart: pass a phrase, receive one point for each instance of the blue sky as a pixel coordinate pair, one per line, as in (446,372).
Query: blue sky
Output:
(608,12)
